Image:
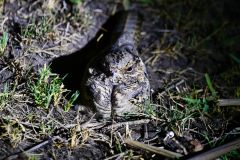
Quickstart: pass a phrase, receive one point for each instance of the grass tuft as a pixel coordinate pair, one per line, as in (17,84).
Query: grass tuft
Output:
(6,95)
(235,154)
(210,86)
(12,130)
(38,29)
(70,102)
(3,43)
(49,88)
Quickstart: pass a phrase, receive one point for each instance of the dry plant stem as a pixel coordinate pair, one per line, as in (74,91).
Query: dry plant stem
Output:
(218,151)
(15,156)
(171,87)
(116,156)
(153,149)
(2,24)
(137,122)
(229,102)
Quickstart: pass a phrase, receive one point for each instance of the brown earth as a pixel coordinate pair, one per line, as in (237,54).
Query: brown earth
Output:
(180,42)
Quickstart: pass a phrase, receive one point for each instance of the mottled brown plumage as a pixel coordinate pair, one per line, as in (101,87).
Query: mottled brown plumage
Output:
(116,81)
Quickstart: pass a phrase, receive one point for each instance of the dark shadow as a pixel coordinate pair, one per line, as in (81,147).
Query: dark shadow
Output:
(72,66)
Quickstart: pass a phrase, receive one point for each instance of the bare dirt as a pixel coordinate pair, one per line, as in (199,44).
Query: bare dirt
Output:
(179,44)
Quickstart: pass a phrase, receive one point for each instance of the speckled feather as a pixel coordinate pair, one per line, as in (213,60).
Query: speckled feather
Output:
(116,82)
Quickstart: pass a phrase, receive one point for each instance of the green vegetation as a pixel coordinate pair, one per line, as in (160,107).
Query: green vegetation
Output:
(7,95)
(183,114)
(235,154)
(126,4)
(3,43)
(12,130)
(38,28)
(48,88)
(203,34)
(33,157)
(118,144)
(210,86)
(70,102)
(150,109)
(235,58)
(75,2)
(186,110)
(4,96)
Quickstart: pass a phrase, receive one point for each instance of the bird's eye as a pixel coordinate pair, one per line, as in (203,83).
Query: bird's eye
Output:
(129,69)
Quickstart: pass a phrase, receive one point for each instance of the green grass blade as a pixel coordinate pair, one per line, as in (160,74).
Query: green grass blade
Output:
(210,86)
(235,58)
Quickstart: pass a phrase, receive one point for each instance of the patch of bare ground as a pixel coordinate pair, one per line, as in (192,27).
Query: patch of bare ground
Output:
(190,49)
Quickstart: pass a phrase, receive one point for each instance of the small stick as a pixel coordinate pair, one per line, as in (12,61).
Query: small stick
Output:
(137,122)
(153,149)
(171,87)
(94,125)
(229,102)
(218,151)
(115,156)
(15,156)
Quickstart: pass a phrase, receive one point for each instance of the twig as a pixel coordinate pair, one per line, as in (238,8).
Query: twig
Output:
(229,102)
(93,125)
(42,144)
(14,156)
(3,22)
(117,125)
(171,87)
(153,149)
(166,30)
(5,68)
(218,151)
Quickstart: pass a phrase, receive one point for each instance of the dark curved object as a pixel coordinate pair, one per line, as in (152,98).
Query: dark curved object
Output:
(72,66)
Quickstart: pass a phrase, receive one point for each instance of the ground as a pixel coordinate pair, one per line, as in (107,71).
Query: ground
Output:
(191,52)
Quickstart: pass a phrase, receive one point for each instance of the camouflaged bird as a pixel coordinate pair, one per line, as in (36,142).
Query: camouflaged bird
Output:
(116,80)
